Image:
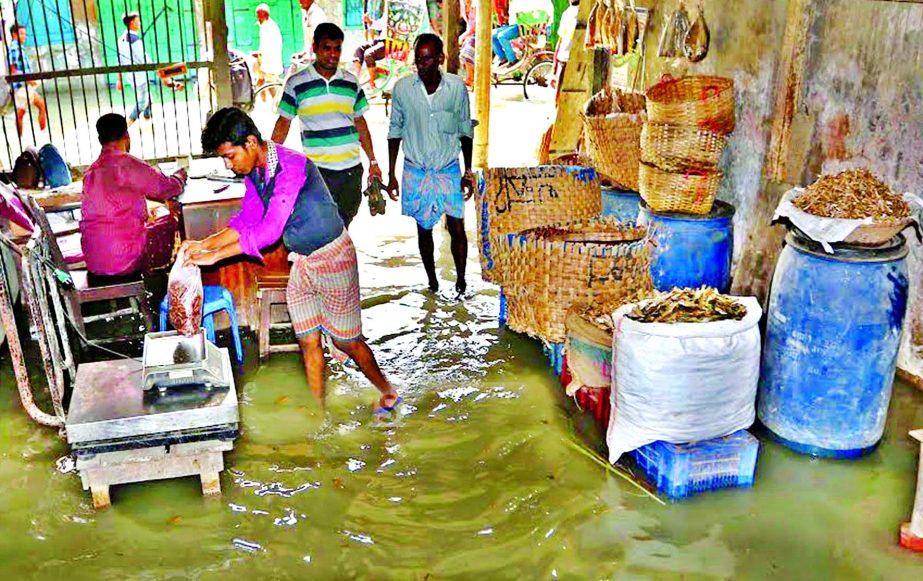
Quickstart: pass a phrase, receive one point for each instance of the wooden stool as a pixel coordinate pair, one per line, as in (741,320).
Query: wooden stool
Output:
(271,291)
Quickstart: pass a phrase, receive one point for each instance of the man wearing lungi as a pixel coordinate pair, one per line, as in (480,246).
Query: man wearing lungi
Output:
(286,198)
(430,115)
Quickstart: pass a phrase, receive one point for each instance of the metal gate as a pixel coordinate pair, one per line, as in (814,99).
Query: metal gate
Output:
(70,61)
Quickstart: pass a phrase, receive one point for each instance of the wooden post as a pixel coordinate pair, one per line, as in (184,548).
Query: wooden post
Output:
(575,89)
(221,69)
(450,17)
(482,79)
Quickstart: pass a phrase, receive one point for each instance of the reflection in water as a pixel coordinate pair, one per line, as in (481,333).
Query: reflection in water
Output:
(475,478)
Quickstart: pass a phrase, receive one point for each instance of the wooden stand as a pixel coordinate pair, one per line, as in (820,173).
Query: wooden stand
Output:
(203,459)
(271,291)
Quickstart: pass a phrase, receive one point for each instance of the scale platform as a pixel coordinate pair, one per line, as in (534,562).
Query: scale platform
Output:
(122,433)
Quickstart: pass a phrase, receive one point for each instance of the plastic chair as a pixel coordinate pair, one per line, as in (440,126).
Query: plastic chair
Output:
(215,299)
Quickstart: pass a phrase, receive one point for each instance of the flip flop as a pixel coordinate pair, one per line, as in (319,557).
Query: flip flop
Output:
(384,410)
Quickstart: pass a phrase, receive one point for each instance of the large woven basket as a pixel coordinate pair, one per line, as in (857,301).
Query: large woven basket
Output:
(700,101)
(546,270)
(612,121)
(690,192)
(614,144)
(510,200)
(677,148)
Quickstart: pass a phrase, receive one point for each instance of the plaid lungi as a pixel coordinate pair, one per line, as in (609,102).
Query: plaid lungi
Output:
(323,293)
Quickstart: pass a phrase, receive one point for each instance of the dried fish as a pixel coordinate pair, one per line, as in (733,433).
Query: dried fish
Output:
(853,194)
(686,305)
(695,45)
(591,30)
(630,18)
(680,28)
(665,48)
(599,312)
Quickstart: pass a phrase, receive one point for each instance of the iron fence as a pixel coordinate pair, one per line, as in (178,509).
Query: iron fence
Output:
(71,58)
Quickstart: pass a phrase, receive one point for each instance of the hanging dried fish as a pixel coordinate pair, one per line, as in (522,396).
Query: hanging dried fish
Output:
(590,41)
(630,17)
(680,28)
(615,29)
(666,48)
(695,45)
(686,305)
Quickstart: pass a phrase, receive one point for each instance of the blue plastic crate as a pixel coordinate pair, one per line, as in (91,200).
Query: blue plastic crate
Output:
(680,470)
(502,316)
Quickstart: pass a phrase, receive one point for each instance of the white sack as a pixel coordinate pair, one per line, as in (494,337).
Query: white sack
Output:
(682,382)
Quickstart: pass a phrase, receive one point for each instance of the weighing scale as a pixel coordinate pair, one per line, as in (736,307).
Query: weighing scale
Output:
(172,414)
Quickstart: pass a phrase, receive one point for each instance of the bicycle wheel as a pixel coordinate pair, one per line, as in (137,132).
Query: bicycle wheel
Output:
(381,81)
(263,92)
(537,84)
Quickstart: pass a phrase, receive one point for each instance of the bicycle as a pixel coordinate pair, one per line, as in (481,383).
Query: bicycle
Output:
(297,62)
(534,68)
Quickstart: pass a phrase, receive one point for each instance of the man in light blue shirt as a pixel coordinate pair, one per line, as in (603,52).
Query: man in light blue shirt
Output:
(131,52)
(431,116)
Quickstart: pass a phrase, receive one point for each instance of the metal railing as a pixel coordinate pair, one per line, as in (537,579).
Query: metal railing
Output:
(74,54)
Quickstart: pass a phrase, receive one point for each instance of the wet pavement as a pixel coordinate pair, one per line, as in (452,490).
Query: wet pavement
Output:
(476,479)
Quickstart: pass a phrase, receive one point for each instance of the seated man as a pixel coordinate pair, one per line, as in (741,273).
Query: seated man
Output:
(117,242)
(504,35)
(371,52)
(286,199)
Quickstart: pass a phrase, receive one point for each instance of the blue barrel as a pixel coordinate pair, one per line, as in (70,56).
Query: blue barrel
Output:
(621,204)
(691,250)
(832,335)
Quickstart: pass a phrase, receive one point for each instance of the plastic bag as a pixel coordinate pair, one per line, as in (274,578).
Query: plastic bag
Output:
(185,288)
(682,382)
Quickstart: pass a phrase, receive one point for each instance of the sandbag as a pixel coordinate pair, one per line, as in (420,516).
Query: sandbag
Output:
(682,382)
(55,170)
(185,289)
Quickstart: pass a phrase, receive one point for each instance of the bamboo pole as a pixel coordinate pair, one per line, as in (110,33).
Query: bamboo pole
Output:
(482,60)
(450,19)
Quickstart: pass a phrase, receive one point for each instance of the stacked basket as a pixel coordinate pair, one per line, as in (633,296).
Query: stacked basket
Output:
(612,124)
(546,270)
(688,121)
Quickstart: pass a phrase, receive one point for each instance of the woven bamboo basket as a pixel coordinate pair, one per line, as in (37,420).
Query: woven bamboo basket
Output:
(546,270)
(510,200)
(612,123)
(700,101)
(690,192)
(677,148)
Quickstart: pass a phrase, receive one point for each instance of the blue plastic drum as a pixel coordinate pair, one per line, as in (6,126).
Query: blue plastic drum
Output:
(832,335)
(691,250)
(621,205)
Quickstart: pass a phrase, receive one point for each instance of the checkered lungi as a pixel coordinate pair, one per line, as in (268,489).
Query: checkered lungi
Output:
(323,293)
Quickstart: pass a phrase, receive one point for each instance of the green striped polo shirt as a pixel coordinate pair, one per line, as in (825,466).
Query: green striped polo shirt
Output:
(327,110)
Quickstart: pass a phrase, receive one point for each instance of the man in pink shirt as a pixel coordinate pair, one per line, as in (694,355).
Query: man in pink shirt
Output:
(117,241)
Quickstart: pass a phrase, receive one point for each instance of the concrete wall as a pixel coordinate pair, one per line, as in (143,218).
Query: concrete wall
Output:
(860,105)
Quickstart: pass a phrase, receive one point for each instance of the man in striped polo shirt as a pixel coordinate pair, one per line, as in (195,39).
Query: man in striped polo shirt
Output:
(330,106)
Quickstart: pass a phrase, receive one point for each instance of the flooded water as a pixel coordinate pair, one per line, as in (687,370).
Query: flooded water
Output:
(477,479)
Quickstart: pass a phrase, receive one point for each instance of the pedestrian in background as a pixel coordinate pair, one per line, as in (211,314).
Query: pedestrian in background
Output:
(269,59)
(24,93)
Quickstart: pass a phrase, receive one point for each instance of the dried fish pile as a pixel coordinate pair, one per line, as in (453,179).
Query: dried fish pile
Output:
(686,305)
(599,313)
(853,195)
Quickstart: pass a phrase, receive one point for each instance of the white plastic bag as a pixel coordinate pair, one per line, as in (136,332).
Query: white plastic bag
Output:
(682,382)
(185,289)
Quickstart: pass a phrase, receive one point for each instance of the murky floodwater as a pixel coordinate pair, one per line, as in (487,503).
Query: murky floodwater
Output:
(476,479)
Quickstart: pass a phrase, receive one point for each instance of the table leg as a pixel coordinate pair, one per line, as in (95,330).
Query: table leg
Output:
(211,483)
(101,498)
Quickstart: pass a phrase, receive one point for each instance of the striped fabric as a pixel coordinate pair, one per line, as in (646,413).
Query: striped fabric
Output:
(327,110)
(323,293)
